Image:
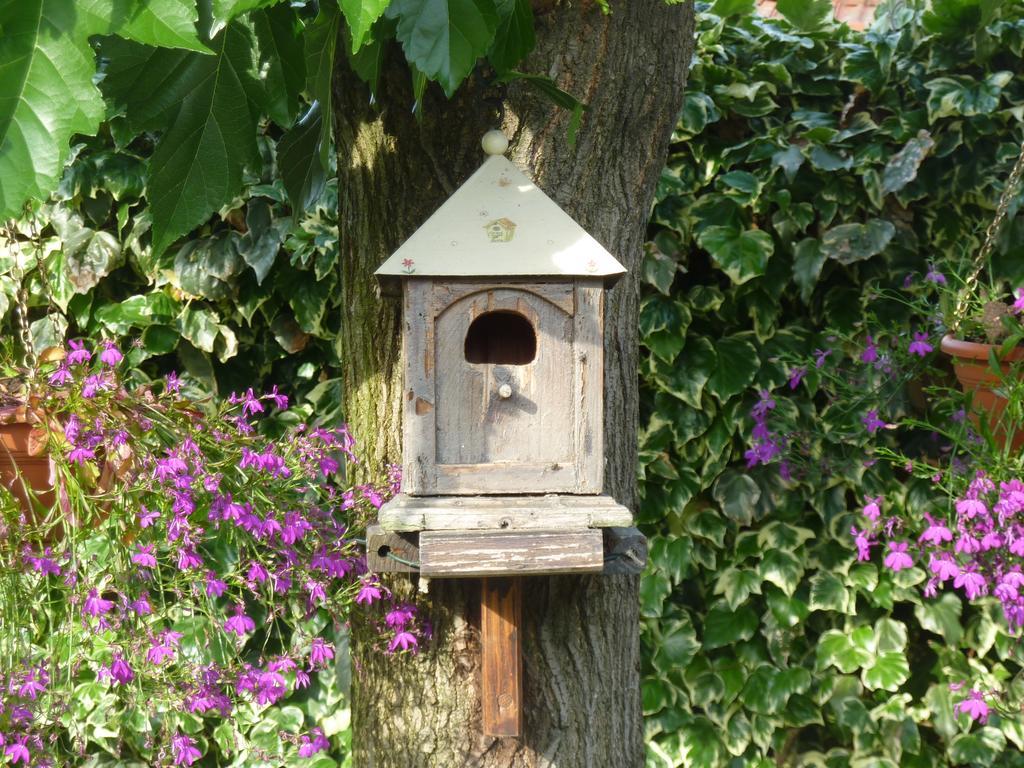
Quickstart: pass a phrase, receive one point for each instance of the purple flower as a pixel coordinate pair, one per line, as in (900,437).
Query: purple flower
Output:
(863,542)
(820,355)
(871,422)
(240,624)
(141,605)
(214,586)
(184,748)
(1018,305)
(110,355)
(970,508)
(320,652)
(975,706)
(870,352)
(310,746)
(257,573)
(172,384)
(403,640)
(281,401)
(120,671)
(81,455)
(17,752)
(872,508)
(796,376)
(898,559)
(250,403)
(96,605)
(61,376)
(369,592)
(78,353)
(920,346)
(935,533)
(144,556)
(973,583)
(934,276)
(147,516)
(398,617)
(188,560)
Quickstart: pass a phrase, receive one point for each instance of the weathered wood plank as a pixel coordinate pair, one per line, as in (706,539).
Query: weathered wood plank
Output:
(418,417)
(380,544)
(625,551)
(588,389)
(458,554)
(501,657)
(558,291)
(417,513)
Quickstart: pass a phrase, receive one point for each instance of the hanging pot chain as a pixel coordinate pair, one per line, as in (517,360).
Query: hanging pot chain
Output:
(989,244)
(21,305)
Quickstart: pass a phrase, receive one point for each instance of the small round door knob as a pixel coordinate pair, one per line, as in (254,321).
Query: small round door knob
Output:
(505,391)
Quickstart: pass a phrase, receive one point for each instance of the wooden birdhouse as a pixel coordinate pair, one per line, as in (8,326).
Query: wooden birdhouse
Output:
(503,304)
(503,354)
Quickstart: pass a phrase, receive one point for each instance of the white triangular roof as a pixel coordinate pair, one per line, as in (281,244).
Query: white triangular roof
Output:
(499,223)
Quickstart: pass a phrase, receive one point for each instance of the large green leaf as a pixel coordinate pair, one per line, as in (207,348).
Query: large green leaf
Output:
(46,95)
(808,259)
(829,594)
(360,15)
(963,95)
(514,38)
(902,167)
(164,23)
(736,585)
(941,615)
(321,37)
(742,254)
(686,378)
(282,61)
(225,10)
(298,157)
(806,15)
(444,38)
(848,243)
(737,494)
(981,748)
(847,652)
(701,744)
(887,671)
(197,166)
(736,368)
(782,569)
(726,627)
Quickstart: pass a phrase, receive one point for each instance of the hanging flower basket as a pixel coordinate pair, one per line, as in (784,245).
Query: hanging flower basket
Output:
(976,377)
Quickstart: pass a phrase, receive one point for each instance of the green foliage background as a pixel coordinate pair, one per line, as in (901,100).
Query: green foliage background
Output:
(810,161)
(812,165)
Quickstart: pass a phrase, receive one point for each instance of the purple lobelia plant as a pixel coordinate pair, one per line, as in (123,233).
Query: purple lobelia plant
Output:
(188,577)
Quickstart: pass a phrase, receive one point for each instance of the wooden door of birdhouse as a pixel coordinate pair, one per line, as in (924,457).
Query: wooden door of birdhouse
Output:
(503,386)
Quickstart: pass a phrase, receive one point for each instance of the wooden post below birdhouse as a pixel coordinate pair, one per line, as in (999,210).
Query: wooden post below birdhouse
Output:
(503,444)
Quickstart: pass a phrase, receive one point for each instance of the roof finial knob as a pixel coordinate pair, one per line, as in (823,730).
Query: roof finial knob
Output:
(494,142)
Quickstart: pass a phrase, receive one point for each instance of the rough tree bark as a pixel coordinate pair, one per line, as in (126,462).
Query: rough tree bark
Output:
(580,635)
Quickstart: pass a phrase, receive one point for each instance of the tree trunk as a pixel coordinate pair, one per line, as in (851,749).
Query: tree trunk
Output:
(580,634)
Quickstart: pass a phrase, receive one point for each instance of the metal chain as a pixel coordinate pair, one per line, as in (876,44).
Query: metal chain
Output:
(989,244)
(21,307)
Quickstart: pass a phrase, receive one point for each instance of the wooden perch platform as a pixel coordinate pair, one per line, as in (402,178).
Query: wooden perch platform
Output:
(459,513)
(473,553)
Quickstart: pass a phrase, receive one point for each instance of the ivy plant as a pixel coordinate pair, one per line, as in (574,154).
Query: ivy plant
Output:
(812,165)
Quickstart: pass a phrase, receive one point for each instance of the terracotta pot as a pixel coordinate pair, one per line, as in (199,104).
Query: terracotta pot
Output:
(971,365)
(23,461)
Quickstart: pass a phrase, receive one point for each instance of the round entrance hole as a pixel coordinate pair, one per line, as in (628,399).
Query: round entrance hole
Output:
(501,338)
